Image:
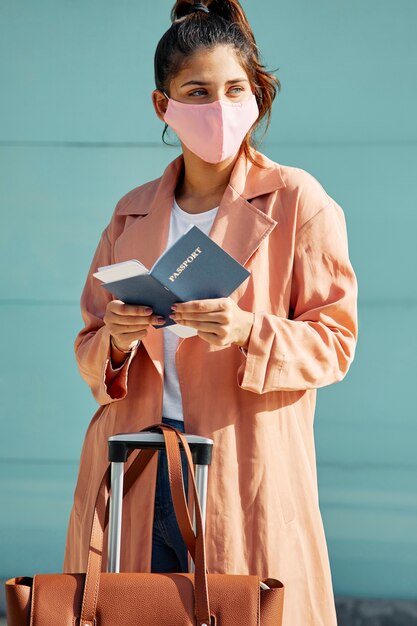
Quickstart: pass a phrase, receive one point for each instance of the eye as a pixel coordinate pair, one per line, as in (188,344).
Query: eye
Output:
(237,89)
(198,92)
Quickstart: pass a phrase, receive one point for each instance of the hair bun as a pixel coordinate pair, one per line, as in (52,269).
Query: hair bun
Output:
(182,8)
(199,6)
(229,10)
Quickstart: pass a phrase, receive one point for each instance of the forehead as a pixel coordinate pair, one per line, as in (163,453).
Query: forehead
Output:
(219,64)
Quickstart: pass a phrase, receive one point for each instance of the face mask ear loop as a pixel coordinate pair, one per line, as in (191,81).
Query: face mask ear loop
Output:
(166,96)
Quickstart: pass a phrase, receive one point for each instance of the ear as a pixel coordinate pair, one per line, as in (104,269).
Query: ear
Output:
(160,103)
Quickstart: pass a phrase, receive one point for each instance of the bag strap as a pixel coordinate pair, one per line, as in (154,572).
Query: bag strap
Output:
(202,607)
(179,500)
(131,475)
(92,578)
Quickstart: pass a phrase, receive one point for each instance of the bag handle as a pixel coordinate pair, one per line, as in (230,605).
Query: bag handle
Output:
(172,438)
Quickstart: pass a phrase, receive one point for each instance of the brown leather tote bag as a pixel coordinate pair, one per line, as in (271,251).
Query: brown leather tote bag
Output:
(145,599)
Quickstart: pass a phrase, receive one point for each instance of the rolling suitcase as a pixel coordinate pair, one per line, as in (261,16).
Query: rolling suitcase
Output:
(97,598)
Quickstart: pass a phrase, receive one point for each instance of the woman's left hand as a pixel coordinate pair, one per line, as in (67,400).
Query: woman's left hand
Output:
(219,321)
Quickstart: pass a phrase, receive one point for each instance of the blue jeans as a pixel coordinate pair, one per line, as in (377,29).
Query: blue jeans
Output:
(169,552)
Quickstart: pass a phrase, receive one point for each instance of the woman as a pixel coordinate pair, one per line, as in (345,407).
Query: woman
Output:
(248,379)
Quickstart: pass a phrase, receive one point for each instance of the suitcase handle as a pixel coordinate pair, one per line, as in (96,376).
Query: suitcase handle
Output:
(149,441)
(121,445)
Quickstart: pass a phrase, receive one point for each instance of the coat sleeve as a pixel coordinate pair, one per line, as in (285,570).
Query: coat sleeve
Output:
(316,345)
(92,345)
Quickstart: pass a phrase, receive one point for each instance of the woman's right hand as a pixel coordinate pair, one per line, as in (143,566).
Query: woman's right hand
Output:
(128,324)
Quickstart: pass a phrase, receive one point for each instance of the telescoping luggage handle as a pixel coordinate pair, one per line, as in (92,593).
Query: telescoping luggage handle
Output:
(120,447)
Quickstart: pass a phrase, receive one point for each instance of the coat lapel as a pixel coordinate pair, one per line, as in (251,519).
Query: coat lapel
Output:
(240,227)
(147,235)
(146,238)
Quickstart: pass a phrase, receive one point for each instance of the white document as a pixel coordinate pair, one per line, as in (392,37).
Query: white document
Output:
(182,331)
(119,271)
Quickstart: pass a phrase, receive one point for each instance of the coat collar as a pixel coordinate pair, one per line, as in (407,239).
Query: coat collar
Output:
(248,180)
(239,227)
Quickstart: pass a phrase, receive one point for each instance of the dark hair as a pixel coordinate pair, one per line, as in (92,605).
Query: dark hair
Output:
(224,24)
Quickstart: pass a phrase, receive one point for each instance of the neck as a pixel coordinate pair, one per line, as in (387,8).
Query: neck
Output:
(203,184)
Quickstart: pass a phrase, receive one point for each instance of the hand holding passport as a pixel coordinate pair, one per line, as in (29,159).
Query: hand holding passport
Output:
(194,268)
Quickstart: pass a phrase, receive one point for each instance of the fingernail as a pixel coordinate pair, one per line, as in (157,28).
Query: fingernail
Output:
(160,320)
(174,307)
(148,309)
(173,317)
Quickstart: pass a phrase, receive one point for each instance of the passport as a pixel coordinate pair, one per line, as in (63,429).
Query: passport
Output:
(194,268)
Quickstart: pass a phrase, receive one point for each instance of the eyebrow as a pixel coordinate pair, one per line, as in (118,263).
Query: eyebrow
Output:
(203,84)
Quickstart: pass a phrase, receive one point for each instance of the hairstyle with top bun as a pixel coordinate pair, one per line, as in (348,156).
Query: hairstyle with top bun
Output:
(225,23)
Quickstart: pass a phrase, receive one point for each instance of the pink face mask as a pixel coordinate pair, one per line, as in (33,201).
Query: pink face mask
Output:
(213,131)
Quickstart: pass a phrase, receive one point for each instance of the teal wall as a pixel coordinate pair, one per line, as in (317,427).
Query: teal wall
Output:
(77,131)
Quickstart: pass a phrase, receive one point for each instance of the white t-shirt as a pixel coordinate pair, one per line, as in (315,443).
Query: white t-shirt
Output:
(180,222)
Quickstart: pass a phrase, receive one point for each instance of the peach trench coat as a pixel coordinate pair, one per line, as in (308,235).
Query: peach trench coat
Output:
(263,514)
